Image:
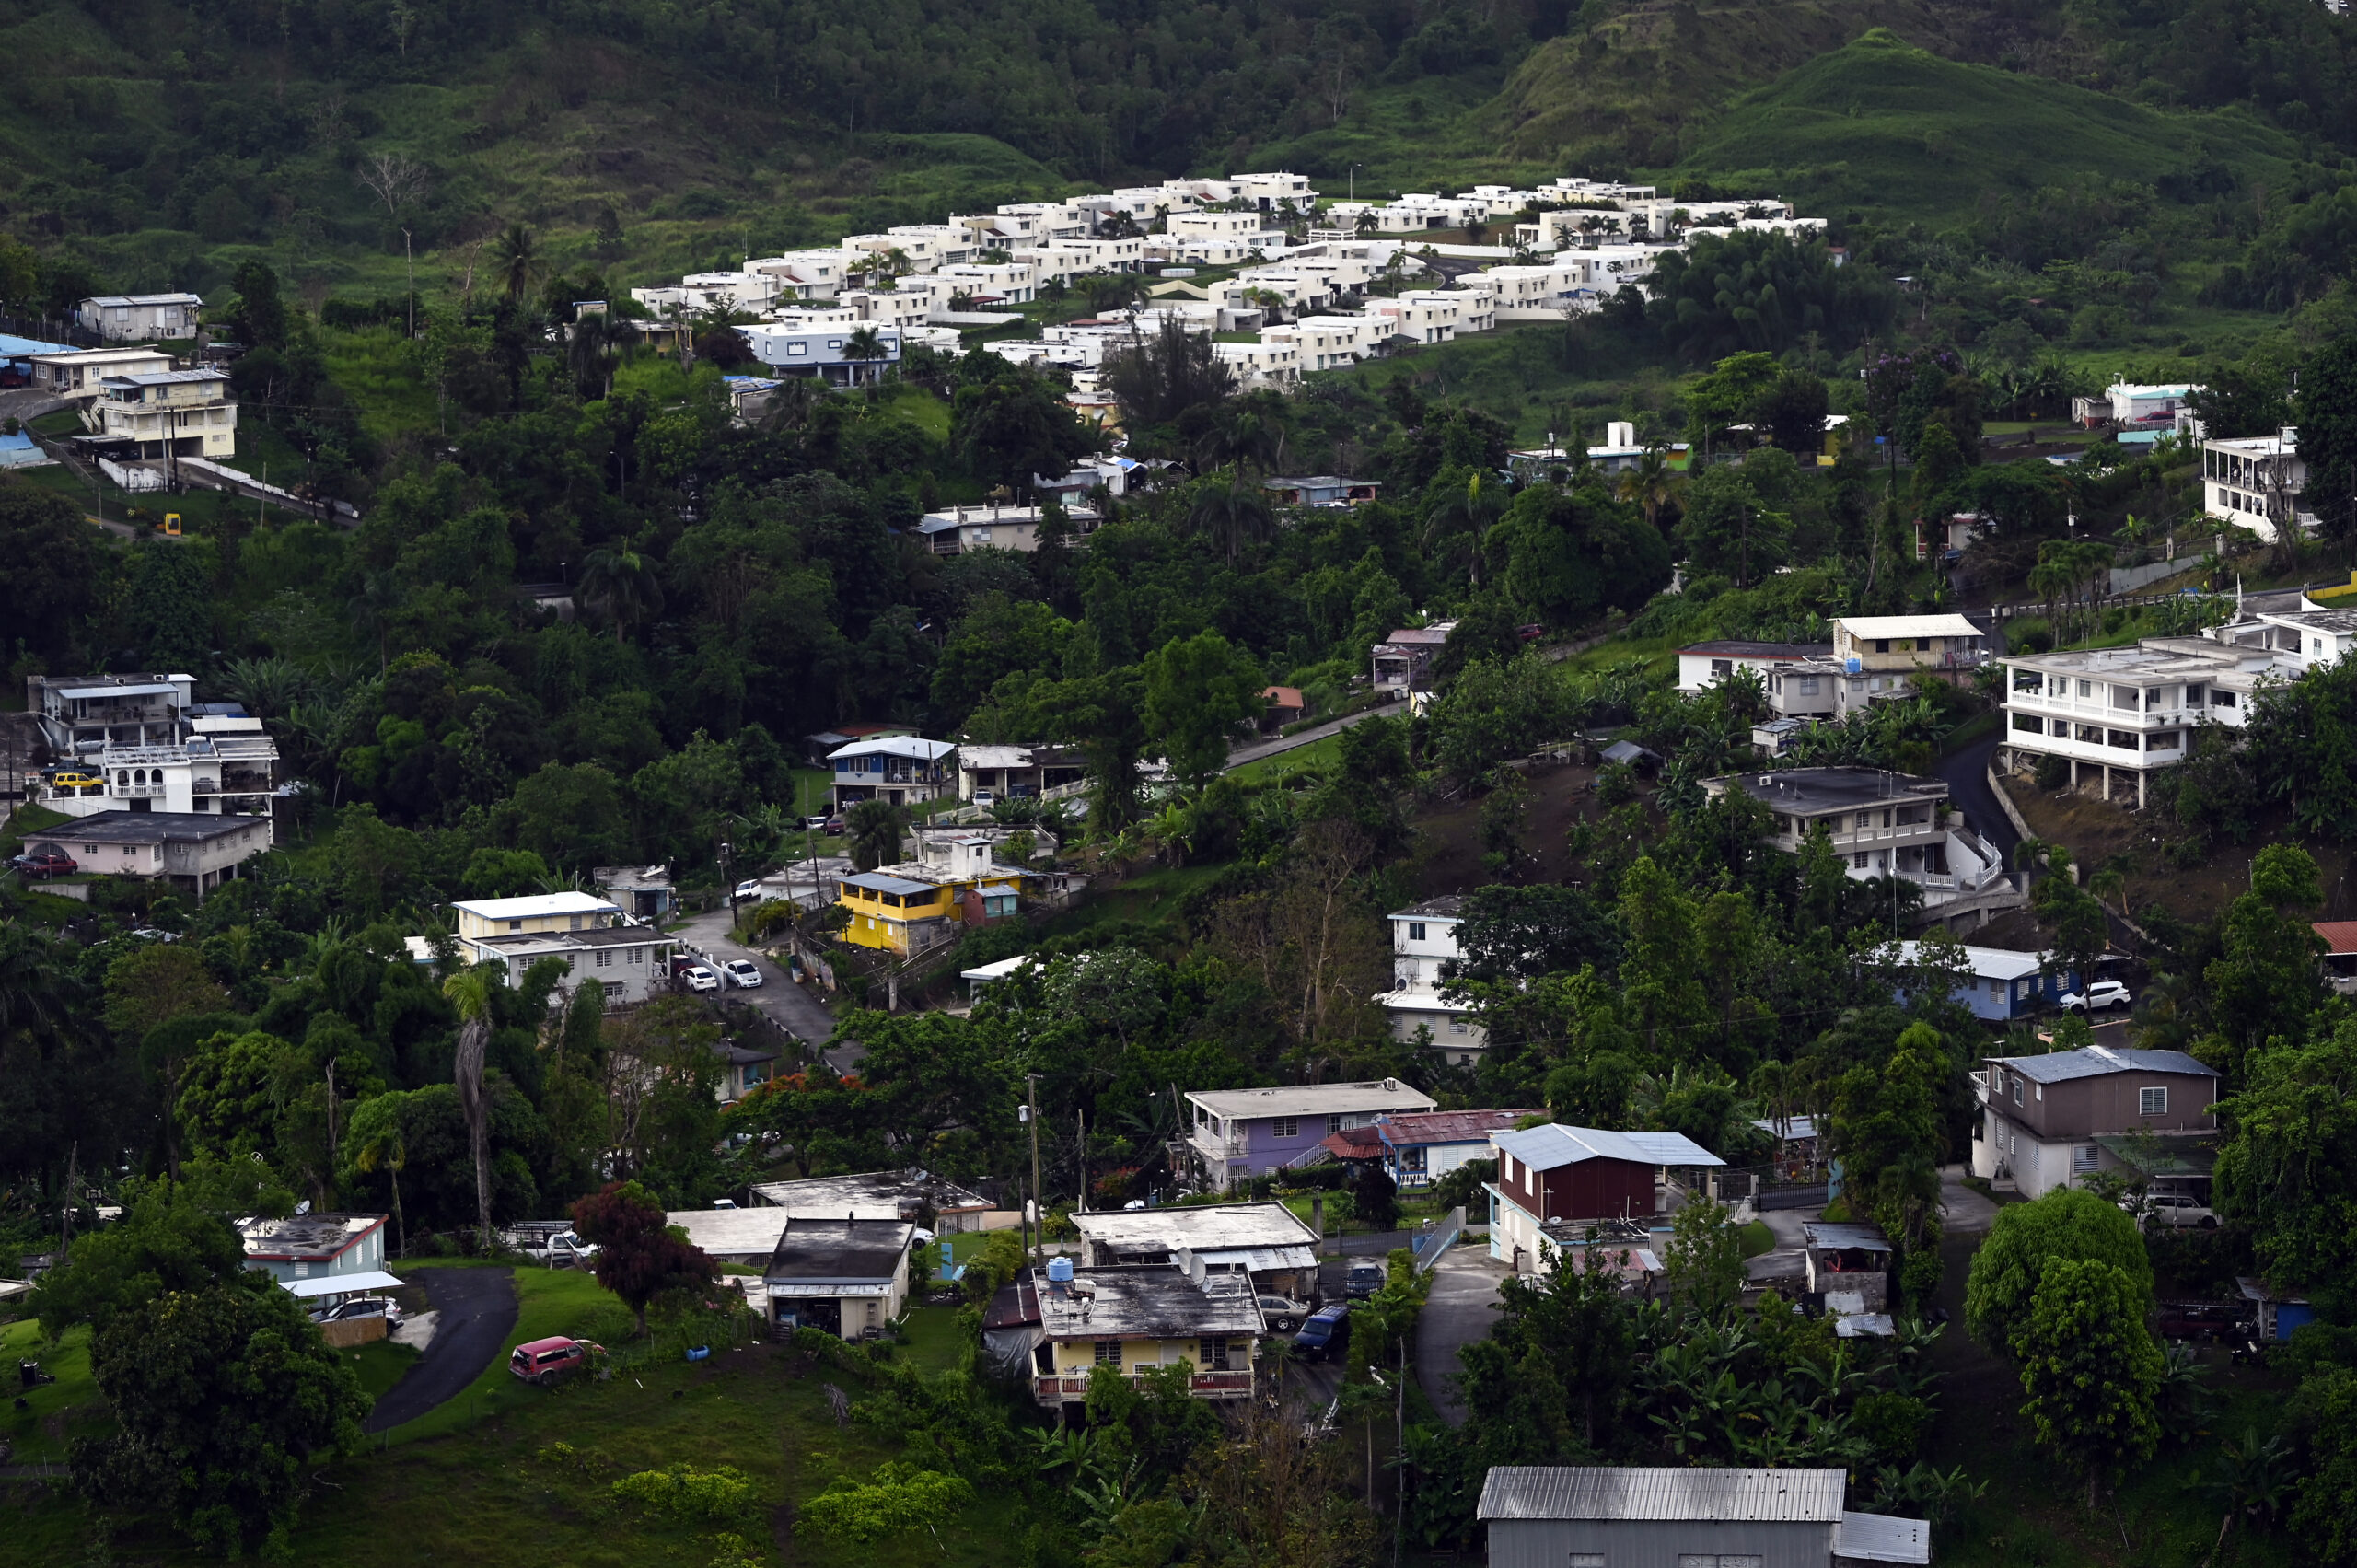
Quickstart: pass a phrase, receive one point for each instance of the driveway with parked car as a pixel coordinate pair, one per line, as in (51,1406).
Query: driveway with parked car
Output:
(2102,993)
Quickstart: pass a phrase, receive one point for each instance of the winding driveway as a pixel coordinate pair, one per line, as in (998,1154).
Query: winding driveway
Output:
(1966,773)
(475,1312)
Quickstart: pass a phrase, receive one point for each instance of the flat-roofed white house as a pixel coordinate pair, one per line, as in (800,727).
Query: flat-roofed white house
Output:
(1882,655)
(2118,714)
(187,414)
(1704,665)
(2255,481)
(1423,938)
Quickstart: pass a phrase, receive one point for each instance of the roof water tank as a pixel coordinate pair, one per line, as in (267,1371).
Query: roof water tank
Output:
(1852,665)
(1060,1271)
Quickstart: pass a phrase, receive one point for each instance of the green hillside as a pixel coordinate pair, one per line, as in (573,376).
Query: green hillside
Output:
(1881,125)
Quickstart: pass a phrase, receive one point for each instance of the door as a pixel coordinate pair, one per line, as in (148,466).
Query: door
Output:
(827,1315)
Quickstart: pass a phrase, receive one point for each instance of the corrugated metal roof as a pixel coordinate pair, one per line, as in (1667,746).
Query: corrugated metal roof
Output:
(1865,1238)
(1546,1491)
(1877,1537)
(1313,1100)
(1554,1144)
(1446,1126)
(2095,1060)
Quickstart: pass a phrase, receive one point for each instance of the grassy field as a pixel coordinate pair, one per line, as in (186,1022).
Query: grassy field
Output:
(1317,754)
(549,1301)
(57,1412)
(1880,124)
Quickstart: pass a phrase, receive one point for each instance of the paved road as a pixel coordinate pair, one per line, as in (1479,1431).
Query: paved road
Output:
(1284,743)
(1460,1311)
(476,1310)
(1966,772)
(790,1006)
(1961,1208)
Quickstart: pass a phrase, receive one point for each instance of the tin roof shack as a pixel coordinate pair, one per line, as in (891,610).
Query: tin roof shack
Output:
(1139,1320)
(917,1196)
(1011,1330)
(1267,1241)
(2043,1118)
(315,1247)
(1849,1264)
(643,891)
(847,1276)
(1419,1147)
(1632,1518)
(1574,1174)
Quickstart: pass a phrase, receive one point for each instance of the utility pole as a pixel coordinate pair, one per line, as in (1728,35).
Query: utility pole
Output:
(1039,1221)
(65,1225)
(1080,1204)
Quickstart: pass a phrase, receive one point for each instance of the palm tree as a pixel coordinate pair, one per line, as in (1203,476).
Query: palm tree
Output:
(623,584)
(1233,508)
(865,346)
(1652,484)
(387,1149)
(516,260)
(876,827)
(598,340)
(470,992)
(1462,522)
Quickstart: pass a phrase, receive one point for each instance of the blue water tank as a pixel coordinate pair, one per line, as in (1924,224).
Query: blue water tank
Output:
(1060,1271)
(1852,666)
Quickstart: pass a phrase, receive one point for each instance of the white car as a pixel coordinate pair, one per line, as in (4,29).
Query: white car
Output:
(985,799)
(748,891)
(1285,1315)
(2176,1210)
(351,1307)
(815,824)
(2102,993)
(740,972)
(696,977)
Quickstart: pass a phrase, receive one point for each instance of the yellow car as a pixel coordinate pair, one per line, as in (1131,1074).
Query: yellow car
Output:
(77,781)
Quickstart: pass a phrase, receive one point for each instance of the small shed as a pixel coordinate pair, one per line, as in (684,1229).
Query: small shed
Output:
(848,1277)
(1548,1517)
(2339,953)
(1850,1263)
(1284,706)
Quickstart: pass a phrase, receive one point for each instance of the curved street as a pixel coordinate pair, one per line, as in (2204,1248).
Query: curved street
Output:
(475,1311)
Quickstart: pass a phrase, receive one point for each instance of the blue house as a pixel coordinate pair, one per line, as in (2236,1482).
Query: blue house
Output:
(2006,984)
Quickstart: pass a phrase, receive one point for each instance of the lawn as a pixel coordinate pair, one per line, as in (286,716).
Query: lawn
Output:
(549,1301)
(500,1491)
(1317,754)
(55,1413)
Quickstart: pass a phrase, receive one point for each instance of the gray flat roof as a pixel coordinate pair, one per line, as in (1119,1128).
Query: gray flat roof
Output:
(839,1249)
(148,827)
(1148,1302)
(1313,1100)
(872,1195)
(1762,650)
(1206,1228)
(1448,906)
(1614,1493)
(731,1233)
(1833,789)
(877,882)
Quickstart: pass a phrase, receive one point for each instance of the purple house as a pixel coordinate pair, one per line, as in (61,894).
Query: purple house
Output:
(1241,1132)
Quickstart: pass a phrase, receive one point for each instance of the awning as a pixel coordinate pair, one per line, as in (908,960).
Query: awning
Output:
(342,1285)
(1256,1259)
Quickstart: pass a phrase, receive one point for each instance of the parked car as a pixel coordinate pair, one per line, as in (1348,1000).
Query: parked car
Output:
(2096,998)
(2177,1210)
(985,799)
(1323,1337)
(1366,1276)
(816,823)
(545,1361)
(565,1246)
(749,891)
(696,977)
(153,934)
(835,825)
(1284,1314)
(44,864)
(740,972)
(344,1311)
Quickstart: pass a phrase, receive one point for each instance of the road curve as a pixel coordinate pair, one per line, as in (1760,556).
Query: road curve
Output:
(477,1308)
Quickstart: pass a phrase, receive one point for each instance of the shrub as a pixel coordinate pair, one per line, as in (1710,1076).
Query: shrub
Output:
(2053,771)
(895,1499)
(1894,1423)
(678,1493)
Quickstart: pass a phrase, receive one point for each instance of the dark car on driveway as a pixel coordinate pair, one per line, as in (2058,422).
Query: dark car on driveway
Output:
(1323,1337)
(44,863)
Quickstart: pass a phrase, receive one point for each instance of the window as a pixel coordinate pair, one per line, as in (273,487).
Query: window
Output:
(1882,645)
(1211,1355)
(1286,1127)
(1859,860)
(605,957)
(2017,1090)
(2153,1102)
(2222,699)
(1415,931)
(2166,741)
(2084,1157)
(633,956)
(1808,685)
(515,925)
(1865,818)
(795,351)
(2193,696)
(614,992)
(2092,733)
(2027,679)
(2086,688)
(1455,1025)
(1108,1352)
(2125,739)
(2030,724)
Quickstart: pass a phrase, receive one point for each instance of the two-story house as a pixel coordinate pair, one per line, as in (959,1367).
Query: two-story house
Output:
(1881,823)
(586,933)
(1245,1133)
(903,769)
(131,318)
(1883,655)
(194,851)
(1134,1320)
(1553,1179)
(1266,1241)
(1423,938)
(2255,481)
(2046,1120)
(1420,1147)
(1403,661)
(166,414)
(319,1256)
(920,904)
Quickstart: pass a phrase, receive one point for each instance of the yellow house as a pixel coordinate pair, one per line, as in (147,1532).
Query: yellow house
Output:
(1139,1320)
(906,909)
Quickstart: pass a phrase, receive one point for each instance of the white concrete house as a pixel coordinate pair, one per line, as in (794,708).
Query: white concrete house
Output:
(2255,481)
(186,414)
(1423,938)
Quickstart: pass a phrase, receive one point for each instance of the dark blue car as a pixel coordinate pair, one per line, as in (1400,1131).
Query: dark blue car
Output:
(1328,1330)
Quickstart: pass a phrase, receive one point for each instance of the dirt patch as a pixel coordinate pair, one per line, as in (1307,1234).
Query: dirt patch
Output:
(2102,833)
(1448,851)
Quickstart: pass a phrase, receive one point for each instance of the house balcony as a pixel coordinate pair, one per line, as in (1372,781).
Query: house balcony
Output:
(1215,1385)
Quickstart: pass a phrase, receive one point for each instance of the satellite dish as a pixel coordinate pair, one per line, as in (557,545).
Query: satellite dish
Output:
(304,1207)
